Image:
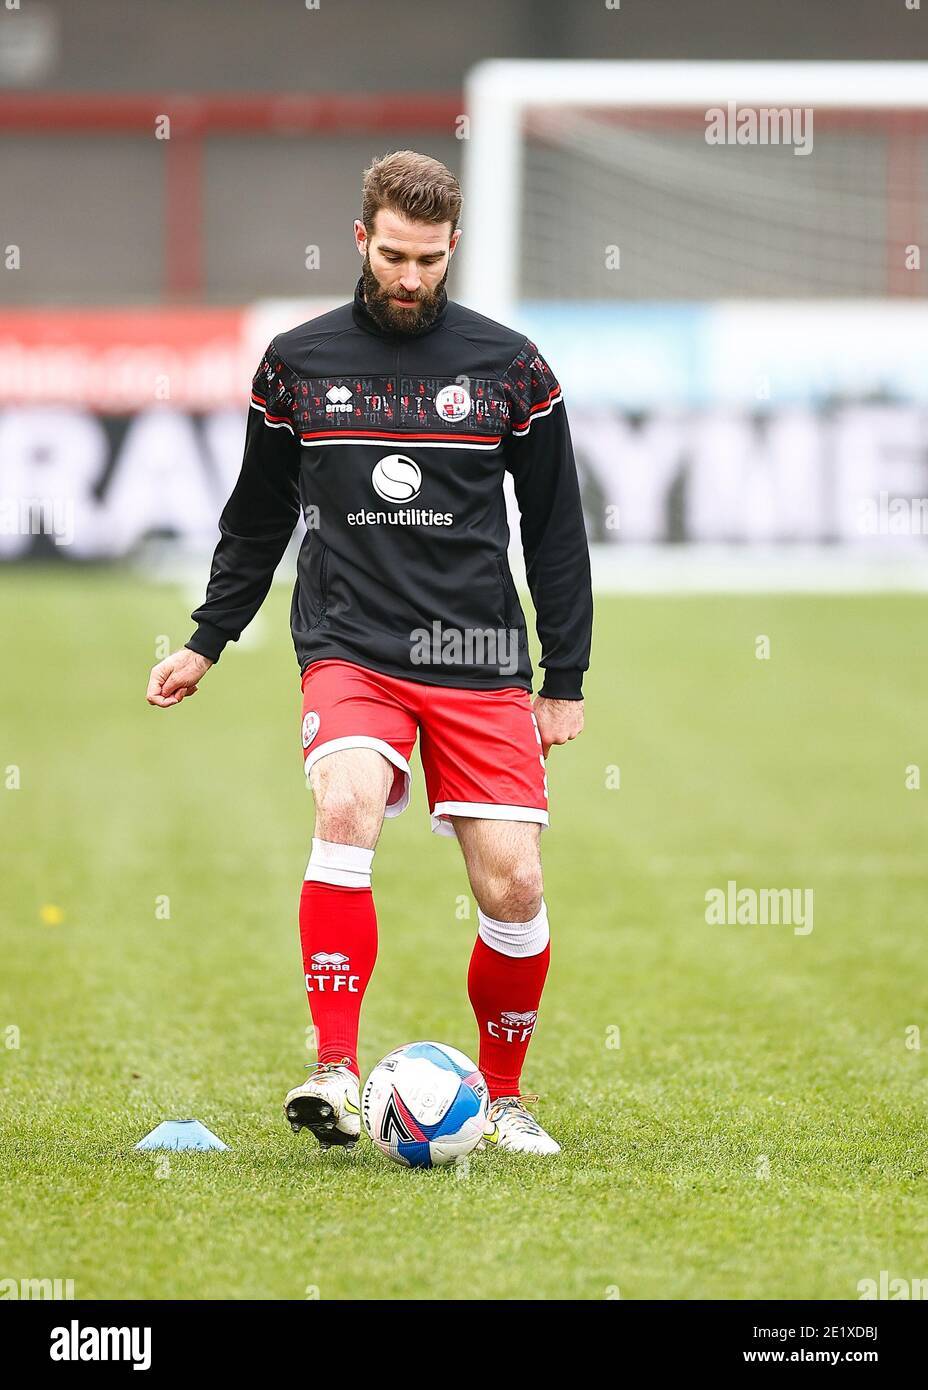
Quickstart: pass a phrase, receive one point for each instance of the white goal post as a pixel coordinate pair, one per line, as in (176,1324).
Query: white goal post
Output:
(500,94)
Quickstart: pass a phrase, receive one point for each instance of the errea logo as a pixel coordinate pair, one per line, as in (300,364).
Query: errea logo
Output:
(338,400)
(329,960)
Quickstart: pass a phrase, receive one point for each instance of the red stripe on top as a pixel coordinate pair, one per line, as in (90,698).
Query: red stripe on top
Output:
(398,435)
(536,409)
(274,419)
(542,405)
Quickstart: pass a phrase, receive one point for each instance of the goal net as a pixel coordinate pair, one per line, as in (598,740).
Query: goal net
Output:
(645,181)
(724,261)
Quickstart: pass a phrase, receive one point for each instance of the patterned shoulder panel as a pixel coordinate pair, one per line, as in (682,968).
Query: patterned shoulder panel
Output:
(531,387)
(270,388)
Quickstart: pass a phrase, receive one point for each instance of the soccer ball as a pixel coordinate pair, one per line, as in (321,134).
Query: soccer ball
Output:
(425,1104)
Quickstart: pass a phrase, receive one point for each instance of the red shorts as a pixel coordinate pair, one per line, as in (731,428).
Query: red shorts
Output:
(480,749)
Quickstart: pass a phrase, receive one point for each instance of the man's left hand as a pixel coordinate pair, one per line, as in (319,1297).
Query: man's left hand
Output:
(558,720)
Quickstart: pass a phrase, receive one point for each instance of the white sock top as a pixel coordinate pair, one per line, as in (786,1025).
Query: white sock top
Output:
(345,866)
(515,938)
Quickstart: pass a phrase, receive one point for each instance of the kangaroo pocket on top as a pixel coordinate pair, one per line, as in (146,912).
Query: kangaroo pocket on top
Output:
(415,615)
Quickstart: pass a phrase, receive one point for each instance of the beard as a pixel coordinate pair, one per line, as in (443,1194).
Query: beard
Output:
(393,320)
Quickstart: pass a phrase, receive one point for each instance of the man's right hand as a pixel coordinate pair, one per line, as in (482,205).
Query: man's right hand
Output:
(176,677)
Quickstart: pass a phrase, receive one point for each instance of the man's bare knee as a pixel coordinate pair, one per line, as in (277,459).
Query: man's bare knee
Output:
(511,892)
(504,867)
(350,789)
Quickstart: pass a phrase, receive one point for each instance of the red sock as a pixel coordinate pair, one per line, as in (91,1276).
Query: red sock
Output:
(338,933)
(505,992)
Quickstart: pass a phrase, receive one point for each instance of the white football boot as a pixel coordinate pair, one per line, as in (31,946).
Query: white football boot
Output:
(510,1126)
(328,1104)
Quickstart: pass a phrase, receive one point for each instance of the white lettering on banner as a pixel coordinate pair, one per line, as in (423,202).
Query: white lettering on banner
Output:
(635,468)
(158,486)
(716,476)
(725,475)
(222,438)
(119,376)
(163,477)
(877,448)
(57,454)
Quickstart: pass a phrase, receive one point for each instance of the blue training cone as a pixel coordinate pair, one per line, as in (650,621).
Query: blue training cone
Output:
(181,1134)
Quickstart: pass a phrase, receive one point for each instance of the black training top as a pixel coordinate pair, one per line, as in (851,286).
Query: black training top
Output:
(395,445)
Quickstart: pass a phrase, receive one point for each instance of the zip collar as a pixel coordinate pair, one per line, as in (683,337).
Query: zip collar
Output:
(363,318)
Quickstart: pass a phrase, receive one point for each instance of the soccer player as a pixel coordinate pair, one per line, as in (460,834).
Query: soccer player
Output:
(391,421)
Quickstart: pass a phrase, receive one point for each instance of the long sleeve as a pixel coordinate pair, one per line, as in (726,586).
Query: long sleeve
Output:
(258,519)
(557,559)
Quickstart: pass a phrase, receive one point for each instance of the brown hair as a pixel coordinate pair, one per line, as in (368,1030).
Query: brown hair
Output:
(413,185)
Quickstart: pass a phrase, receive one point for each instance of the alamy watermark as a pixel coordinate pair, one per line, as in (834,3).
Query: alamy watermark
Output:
(38,516)
(733,906)
(892,516)
(85,1343)
(468,646)
(760,125)
(884,1288)
(36,1289)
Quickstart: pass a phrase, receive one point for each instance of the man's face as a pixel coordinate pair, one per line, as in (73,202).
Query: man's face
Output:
(405,268)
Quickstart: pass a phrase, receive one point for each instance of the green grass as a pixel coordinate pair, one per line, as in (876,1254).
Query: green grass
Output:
(737,1042)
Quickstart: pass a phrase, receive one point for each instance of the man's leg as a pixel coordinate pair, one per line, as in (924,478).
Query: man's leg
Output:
(338,924)
(338,933)
(357,733)
(510,958)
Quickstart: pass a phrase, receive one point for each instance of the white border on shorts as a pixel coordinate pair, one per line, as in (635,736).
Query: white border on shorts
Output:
(483,810)
(365,741)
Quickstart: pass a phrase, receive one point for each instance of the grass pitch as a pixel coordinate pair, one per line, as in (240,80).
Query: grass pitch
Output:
(742,1109)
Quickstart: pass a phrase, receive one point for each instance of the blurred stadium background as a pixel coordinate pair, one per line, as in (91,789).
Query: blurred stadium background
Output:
(742,334)
(740,331)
